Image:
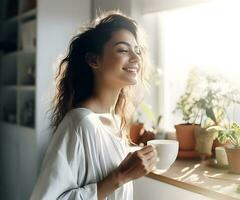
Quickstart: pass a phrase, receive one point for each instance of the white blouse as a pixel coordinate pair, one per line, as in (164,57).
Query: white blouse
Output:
(82,152)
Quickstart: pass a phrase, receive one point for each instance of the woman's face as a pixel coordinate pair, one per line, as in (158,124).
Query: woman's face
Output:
(120,62)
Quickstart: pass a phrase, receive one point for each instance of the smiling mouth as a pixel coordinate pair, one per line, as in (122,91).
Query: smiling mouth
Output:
(131,69)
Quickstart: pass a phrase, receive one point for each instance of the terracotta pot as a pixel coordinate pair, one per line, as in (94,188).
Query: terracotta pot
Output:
(204,140)
(135,130)
(185,136)
(233,155)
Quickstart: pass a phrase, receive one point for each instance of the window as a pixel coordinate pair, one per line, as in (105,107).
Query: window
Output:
(204,36)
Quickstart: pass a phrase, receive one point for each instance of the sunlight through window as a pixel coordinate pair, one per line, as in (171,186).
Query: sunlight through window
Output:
(207,37)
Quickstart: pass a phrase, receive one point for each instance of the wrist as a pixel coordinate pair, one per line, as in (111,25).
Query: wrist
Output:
(113,181)
(119,178)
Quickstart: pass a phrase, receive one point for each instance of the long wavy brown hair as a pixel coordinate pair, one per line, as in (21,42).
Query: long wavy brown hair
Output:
(75,78)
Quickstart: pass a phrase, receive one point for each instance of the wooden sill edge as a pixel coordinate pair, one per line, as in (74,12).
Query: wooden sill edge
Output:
(190,187)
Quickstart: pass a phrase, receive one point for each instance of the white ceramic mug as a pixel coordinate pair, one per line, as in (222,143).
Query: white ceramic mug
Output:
(221,156)
(167,151)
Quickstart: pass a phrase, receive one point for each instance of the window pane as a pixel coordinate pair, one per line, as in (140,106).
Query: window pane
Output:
(205,36)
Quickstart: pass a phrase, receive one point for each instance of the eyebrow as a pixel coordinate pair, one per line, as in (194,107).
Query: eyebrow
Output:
(122,42)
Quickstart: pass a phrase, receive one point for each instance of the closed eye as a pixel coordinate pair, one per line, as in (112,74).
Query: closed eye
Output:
(123,51)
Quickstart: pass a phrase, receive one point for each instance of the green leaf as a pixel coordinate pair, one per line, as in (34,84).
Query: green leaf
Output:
(211,115)
(148,111)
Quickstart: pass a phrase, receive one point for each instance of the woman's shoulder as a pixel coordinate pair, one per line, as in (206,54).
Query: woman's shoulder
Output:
(82,118)
(78,121)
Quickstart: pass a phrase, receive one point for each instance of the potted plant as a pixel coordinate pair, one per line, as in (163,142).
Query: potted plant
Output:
(218,95)
(205,101)
(135,131)
(187,108)
(211,109)
(231,135)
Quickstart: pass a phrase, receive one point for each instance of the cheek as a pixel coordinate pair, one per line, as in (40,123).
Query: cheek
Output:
(115,60)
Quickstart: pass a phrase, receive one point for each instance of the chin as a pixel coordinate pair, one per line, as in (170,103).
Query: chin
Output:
(130,82)
(125,81)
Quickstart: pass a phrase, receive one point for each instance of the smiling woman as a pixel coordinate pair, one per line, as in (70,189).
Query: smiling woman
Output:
(88,154)
(120,63)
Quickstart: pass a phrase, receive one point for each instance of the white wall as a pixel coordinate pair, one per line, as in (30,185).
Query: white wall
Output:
(105,5)
(57,21)
(161,5)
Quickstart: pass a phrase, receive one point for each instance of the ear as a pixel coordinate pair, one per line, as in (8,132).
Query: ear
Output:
(92,60)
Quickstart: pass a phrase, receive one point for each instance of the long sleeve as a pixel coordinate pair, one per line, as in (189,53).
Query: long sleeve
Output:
(65,170)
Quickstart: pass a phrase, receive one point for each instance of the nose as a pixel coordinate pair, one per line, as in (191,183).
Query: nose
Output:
(134,57)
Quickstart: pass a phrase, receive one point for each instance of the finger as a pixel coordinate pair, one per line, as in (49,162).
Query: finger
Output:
(154,153)
(152,160)
(150,164)
(149,155)
(146,149)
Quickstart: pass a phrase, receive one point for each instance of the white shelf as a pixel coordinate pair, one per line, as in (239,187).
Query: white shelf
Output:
(28,15)
(18,53)
(11,20)
(16,126)
(23,16)
(10,55)
(20,87)
(6,123)
(8,87)
(27,88)
(22,52)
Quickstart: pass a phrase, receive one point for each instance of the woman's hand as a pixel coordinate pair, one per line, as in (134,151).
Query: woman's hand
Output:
(137,164)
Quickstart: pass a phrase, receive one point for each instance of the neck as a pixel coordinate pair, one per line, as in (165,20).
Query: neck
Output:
(103,100)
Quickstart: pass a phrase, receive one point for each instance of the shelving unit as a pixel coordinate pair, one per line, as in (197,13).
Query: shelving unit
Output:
(24,122)
(17,98)
(18,64)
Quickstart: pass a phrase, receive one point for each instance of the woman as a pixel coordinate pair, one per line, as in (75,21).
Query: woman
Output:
(88,157)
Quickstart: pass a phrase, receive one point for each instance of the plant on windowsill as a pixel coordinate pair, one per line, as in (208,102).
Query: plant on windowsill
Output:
(211,106)
(186,106)
(205,100)
(218,95)
(230,134)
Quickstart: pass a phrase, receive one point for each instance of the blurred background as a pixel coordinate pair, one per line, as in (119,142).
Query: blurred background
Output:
(182,35)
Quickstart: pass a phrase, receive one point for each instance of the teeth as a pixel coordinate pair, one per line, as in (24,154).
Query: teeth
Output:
(131,70)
